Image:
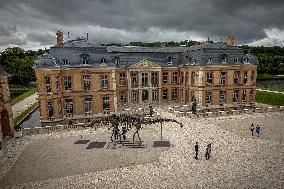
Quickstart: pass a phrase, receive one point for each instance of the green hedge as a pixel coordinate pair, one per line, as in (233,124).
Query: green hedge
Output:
(270,98)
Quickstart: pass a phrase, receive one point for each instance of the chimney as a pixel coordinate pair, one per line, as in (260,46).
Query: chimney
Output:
(230,41)
(59,38)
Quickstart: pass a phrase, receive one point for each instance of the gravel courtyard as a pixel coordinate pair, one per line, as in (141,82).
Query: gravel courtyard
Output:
(239,160)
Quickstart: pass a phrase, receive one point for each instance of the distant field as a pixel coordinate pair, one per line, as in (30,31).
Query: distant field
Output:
(269,76)
(270,98)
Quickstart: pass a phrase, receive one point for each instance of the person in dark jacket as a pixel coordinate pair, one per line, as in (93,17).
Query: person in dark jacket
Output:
(252,129)
(196,150)
(257,130)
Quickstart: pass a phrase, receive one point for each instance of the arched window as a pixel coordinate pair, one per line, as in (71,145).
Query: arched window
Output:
(246,60)
(116,61)
(223,58)
(103,62)
(84,60)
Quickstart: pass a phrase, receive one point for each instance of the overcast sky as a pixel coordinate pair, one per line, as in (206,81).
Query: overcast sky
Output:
(32,24)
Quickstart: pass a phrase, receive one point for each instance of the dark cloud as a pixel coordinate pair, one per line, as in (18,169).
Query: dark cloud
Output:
(129,19)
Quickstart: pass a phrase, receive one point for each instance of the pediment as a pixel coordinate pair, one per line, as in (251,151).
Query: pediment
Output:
(144,64)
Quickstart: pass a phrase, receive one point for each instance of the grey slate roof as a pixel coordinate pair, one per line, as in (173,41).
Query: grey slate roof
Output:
(75,50)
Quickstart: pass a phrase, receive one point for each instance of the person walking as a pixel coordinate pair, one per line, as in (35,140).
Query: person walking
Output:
(207,152)
(252,129)
(257,130)
(196,150)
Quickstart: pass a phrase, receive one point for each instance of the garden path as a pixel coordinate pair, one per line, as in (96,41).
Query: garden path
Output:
(24,104)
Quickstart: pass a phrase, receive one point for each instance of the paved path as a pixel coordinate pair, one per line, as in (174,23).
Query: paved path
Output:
(265,90)
(24,104)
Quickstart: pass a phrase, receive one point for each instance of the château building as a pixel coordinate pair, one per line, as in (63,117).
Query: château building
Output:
(78,80)
(6,114)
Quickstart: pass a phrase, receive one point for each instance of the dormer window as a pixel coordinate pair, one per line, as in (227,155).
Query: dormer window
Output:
(64,62)
(116,61)
(223,58)
(85,60)
(210,60)
(103,62)
(193,62)
(246,60)
(236,60)
(170,60)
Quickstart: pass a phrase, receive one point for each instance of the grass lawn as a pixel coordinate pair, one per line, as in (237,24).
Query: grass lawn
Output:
(20,92)
(269,76)
(270,98)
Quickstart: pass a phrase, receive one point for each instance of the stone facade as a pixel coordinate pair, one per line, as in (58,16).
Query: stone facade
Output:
(84,90)
(6,114)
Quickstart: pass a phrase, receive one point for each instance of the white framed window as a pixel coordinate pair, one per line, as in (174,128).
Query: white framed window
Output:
(236,96)
(106,103)
(86,82)
(175,77)
(155,95)
(192,78)
(236,77)
(134,96)
(174,94)
(223,58)
(223,78)
(209,78)
(246,60)
(170,60)
(181,78)
(65,62)
(48,84)
(67,83)
(145,95)
(245,77)
(155,79)
(122,97)
(69,106)
(88,105)
(122,79)
(104,81)
(49,109)
(210,60)
(134,79)
(165,94)
(244,96)
(144,79)
(222,97)
(208,97)
(84,60)
(103,62)
(165,77)
(116,61)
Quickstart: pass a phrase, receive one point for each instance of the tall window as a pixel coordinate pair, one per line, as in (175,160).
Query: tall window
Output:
(165,77)
(106,103)
(192,95)
(252,77)
(165,94)
(144,79)
(208,97)
(174,94)
(210,60)
(245,77)
(104,80)
(251,97)
(134,79)
(236,77)
(69,106)
(186,78)
(116,61)
(155,95)
(47,84)
(84,60)
(88,105)
(236,96)
(181,77)
(223,78)
(57,84)
(145,95)
(222,97)
(181,94)
(122,97)
(67,84)
(170,60)
(175,77)
(246,60)
(244,96)
(134,96)
(192,78)
(122,78)
(209,78)
(50,109)
(155,79)
(87,82)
